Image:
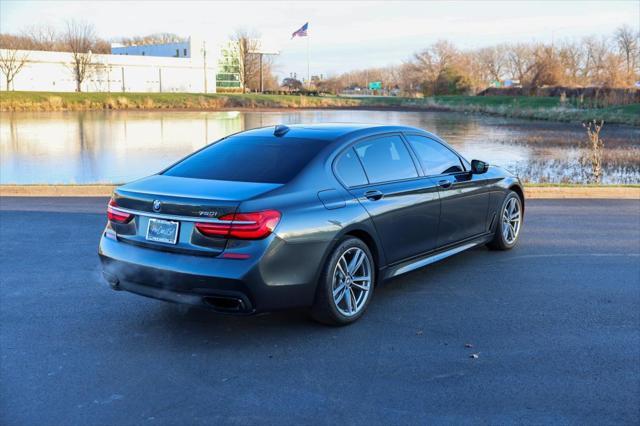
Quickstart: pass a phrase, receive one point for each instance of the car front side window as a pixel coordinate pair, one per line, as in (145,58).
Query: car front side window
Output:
(436,159)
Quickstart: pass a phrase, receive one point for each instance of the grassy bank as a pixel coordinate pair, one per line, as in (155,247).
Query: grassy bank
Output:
(542,108)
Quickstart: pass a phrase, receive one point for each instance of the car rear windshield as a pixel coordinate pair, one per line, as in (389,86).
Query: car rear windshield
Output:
(249,159)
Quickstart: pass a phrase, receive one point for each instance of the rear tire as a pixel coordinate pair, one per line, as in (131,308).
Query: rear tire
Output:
(346,285)
(509,223)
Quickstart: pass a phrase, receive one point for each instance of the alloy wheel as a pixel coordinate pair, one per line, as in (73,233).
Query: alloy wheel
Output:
(351,281)
(511,220)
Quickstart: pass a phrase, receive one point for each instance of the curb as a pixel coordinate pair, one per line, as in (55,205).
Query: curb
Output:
(593,192)
(56,190)
(531,192)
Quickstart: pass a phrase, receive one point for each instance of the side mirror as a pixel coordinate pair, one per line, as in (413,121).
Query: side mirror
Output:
(479,167)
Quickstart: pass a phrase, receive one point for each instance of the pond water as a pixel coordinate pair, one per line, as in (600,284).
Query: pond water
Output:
(116,147)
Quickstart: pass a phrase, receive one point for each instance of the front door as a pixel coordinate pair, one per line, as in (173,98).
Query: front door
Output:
(465,202)
(464,196)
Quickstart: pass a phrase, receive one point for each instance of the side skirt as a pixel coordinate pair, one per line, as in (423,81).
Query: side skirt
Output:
(433,257)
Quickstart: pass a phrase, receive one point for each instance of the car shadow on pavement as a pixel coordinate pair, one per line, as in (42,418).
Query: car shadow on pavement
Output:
(427,283)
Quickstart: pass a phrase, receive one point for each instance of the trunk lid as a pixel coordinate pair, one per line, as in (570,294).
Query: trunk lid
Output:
(183,200)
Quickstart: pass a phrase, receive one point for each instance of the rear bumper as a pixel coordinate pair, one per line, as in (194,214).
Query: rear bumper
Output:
(241,286)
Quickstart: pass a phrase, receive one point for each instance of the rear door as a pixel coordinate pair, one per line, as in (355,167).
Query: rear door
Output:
(464,196)
(403,205)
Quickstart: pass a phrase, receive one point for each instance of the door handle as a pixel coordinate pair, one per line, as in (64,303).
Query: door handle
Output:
(373,195)
(444,183)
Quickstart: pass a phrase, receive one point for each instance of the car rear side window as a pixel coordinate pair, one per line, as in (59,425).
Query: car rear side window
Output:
(386,159)
(349,169)
(436,158)
(249,159)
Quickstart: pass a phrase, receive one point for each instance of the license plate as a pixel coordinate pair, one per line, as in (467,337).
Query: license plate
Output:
(162,231)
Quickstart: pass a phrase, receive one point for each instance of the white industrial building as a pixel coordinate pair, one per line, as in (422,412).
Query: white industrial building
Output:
(225,56)
(193,72)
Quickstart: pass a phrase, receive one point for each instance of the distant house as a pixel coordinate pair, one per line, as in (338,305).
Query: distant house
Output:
(506,83)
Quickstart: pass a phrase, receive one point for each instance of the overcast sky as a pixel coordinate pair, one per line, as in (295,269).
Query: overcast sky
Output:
(343,35)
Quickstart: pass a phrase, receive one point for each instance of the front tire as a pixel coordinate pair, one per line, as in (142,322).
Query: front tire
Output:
(509,223)
(346,284)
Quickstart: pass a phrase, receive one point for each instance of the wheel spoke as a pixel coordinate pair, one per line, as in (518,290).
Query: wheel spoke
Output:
(342,264)
(361,278)
(341,270)
(338,299)
(354,301)
(355,263)
(363,287)
(348,299)
(338,289)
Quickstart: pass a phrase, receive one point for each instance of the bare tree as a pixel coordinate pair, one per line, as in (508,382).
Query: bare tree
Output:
(628,44)
(42,37)
(521,60)
(493,61)
(546,68)
(247,44)
(11,61)
(571,57)
(596,50)
(80,39)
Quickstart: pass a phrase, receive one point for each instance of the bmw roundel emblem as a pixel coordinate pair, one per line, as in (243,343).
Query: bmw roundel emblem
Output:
(157,205)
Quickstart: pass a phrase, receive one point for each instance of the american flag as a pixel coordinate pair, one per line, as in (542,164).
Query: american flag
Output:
(302,32)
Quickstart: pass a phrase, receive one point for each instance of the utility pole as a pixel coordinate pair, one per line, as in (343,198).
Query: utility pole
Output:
(261,79)
(261,55)
(308,67)
(204,64)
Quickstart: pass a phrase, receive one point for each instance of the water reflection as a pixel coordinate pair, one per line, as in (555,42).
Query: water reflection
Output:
(102,147)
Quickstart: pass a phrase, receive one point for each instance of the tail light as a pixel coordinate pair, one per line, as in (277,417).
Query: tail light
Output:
(117,216)
(244,226)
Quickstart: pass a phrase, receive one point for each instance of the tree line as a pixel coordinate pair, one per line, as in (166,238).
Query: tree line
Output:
(442,68)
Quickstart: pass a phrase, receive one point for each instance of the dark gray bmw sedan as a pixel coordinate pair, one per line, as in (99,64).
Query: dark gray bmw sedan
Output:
(304,216)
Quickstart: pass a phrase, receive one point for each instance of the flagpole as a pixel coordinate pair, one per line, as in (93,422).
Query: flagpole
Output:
(308,68)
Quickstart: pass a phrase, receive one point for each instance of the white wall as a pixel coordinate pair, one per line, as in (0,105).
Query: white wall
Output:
(52,72)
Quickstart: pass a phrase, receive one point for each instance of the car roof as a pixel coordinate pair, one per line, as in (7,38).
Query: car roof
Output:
(327,131)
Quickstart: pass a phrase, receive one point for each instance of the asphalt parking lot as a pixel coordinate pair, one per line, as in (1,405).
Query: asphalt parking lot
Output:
(555,325)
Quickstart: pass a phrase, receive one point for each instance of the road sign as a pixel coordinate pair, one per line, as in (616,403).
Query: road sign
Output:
(375,85)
